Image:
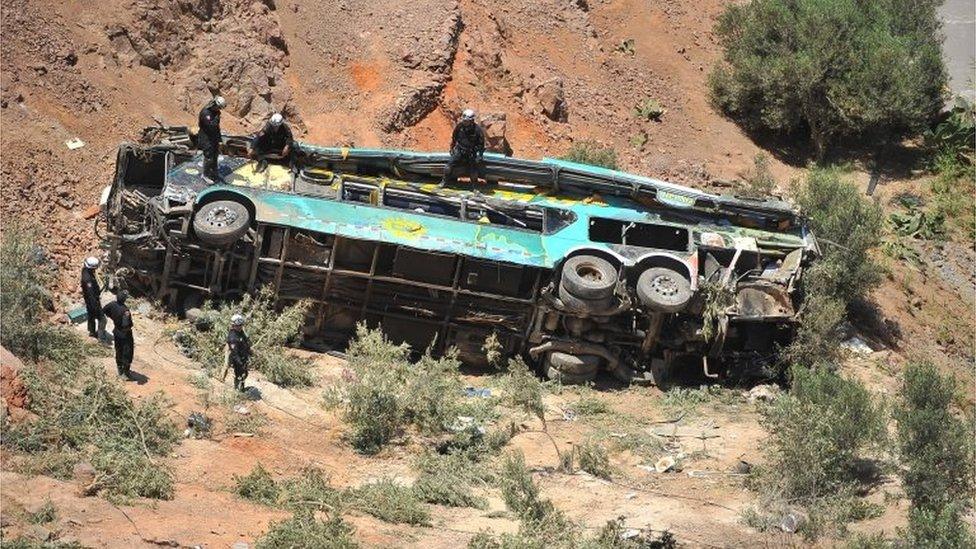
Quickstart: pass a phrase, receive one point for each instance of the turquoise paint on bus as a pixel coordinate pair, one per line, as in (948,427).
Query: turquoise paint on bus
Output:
(471,238)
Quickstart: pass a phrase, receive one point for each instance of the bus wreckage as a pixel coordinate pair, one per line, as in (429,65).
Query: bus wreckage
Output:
(575,268)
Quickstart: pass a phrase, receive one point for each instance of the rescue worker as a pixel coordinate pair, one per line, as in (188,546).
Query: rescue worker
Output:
(208,139)
(238,351)
(92,294)
(121,332)
(467,149)
(274,142)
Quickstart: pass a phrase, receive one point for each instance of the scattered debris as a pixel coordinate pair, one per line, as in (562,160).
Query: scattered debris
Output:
(792,521)
(74,143)
(763,393)
(857,346)
(197,426)
(664,465)
(242,409)
(481,392)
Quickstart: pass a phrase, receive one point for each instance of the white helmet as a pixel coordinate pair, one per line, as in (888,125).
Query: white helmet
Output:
(468,114)
(92,262)
(237,320)
(276,119)
(219,101)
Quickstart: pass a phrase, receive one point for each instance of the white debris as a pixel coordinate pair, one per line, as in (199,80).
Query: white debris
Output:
(664,464)
(765,393)
(857,346)
(74,143)
(242,409)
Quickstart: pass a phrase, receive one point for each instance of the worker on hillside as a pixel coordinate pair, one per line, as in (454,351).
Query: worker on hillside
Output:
(92,293)
(467,149)
(121,332)
(274,142)
(237,354)
(209,139)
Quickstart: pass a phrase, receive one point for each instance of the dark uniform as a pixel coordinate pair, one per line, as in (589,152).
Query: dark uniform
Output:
(271,143)
(467,148)
(93,303)
(208,140)
(122,333)
(240,355)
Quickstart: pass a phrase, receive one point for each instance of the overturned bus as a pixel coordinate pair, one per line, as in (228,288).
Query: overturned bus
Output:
(573,267)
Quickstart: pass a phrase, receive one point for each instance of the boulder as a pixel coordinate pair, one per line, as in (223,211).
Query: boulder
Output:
(495,126)
(550,99)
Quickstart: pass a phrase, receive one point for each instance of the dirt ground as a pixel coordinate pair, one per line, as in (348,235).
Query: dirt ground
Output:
(381,73)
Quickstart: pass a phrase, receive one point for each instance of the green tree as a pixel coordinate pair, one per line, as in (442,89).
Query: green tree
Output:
(937,451)
(848,226)
(831,68)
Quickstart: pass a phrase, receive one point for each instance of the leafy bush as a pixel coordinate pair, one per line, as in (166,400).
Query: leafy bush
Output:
(85,415)
(830,68)
(257,486)
(523,389)
(24,277)
(44,514)
(939,528)
(305,531)
(848,226)
(541,522)
(816,343)
(953,140)
(649,109)
(592,153)
(818,433)
(389,501)
(269,330)
(448,479)
(384,393)
(938,452)
(759,180)
(594,459)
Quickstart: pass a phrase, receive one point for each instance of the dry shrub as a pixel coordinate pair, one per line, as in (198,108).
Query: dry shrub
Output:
(306,531)
(383,393)
(270,330)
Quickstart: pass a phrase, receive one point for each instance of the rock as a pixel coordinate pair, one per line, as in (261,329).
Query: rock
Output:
(857,346)
(495,126)
(664,464)
(40,533)
(742,468)
(550,99)
(15,398)
(792,521)
(83,473)
(763,393)
(412,105)
(240,545)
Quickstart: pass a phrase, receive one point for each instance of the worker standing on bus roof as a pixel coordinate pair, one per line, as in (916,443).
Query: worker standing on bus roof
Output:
(467,149)
(209,139)
(237,354)
(274,142)
(92,293)
(121,333)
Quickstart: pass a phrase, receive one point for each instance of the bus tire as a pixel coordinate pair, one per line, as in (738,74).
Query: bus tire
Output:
(221,222)
(663,290)
(584,306)
(589,277)
(574,364)
(569,379)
